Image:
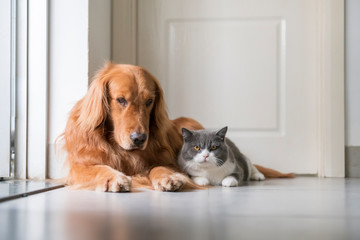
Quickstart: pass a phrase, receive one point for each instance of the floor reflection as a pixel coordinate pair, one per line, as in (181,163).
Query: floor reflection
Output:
(12,189)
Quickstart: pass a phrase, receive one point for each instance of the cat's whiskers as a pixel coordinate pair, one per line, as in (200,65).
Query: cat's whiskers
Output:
(220,161)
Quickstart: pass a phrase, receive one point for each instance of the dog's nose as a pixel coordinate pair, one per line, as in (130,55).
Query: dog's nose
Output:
(138,138)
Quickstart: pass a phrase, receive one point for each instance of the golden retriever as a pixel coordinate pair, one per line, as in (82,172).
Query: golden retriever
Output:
(120,128)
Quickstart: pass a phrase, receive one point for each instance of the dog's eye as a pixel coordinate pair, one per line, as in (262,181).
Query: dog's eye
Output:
(122,101)
(149,102)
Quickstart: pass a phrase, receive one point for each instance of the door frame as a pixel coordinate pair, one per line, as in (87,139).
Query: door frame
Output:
(330,74)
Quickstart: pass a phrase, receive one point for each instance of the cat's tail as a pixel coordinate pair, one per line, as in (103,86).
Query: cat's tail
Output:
(271,173)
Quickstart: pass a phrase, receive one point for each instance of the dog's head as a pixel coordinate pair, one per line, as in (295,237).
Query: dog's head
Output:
(129,99)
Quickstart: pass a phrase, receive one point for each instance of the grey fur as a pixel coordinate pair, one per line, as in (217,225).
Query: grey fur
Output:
(226,150)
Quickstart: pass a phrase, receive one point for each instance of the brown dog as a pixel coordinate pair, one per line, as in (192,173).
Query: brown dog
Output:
(121,129)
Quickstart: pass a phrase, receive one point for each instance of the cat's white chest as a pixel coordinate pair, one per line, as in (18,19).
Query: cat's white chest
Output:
(213,173)
(217,174)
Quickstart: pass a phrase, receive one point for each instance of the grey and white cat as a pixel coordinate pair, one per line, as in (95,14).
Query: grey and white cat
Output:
(211,158)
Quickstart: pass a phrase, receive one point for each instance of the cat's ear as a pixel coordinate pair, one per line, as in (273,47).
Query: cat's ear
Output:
(222,132)
(187,134)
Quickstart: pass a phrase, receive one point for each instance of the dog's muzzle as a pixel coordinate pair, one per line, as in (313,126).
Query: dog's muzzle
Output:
(138,139)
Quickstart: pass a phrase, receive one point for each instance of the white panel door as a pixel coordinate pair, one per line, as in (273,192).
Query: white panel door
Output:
(249,65)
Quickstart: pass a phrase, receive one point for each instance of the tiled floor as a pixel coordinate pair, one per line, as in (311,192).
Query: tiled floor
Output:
(12,189)
(301,208)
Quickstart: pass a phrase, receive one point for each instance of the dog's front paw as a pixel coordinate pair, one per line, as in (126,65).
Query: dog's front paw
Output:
(117,182)
(170,183)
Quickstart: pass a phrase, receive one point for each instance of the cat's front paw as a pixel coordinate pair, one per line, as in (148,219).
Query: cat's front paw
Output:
(202,181)
(257,176)
(229,181)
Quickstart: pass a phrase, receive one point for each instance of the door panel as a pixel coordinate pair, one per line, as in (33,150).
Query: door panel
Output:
(250,65)
(215,63)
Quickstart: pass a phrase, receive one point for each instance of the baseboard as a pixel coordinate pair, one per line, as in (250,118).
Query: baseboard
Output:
(352,161)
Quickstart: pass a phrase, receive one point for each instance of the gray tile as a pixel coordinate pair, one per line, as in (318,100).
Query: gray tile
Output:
(301,208)
(17,188)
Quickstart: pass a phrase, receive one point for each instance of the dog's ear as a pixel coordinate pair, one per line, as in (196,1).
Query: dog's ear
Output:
(160,125)
(159,114)
(94,107)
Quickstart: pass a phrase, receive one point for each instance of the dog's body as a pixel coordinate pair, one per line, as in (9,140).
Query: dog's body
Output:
(121,129)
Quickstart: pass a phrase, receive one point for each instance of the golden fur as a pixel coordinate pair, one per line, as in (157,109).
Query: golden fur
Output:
(101,155)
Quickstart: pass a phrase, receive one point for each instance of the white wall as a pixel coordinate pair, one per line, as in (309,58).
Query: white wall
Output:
(352,73)
(37,88)
(68,68)
(99,34)
(124,34)
(79,45)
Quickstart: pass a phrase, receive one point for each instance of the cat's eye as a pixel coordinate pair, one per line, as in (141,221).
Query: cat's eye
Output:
(213,147)
(196,148)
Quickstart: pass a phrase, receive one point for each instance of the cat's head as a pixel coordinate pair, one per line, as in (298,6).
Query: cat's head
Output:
(204,147)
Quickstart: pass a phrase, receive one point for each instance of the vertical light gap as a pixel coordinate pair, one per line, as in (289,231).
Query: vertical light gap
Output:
(12,88)
(27,90)
(47,88)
